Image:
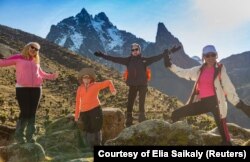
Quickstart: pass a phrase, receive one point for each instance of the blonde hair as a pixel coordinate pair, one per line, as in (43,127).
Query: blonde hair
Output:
(25,52)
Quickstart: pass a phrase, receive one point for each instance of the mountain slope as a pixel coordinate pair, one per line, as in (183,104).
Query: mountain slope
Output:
(58,96)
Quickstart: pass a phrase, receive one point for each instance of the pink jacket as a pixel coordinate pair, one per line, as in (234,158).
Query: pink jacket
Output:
(28,73)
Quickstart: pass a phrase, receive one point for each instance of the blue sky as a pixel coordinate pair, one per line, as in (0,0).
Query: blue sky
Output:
(196,23)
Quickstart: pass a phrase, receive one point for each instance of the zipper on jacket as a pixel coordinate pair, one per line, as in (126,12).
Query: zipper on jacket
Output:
(32,74)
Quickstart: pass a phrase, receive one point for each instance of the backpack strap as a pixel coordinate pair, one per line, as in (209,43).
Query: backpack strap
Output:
(218,74)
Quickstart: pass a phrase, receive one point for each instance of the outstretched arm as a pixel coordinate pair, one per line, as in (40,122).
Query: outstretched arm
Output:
(47,75)
(165,53)
(119,60)
(10,60)
(153,59)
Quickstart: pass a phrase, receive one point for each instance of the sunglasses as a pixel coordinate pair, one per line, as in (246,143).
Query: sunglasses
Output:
(210,55)
(34,48)
(136,49)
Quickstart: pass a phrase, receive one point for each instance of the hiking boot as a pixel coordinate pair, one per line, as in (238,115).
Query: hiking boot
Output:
(30,130)
(19,135)
(129,120)
(142,117)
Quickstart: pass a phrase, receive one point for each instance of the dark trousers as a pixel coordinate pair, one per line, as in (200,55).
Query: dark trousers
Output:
(133,90)
(28,100)
(206,105)
(92,125)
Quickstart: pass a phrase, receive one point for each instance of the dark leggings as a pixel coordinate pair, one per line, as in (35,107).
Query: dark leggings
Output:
(28,100)
(92,120)
(92,124)
(206,105)
(132,95)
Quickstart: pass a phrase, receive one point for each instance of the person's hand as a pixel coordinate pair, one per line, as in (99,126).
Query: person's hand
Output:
(99,54)
(167,60)
(114,92)
(175,48)
(76,120)
(1,56)
(56,74)
(166,52)
(244,107)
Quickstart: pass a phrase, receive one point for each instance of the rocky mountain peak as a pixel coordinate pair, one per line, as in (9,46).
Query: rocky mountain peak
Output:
(163,35)
(84,17)
(102,16)
(83,13)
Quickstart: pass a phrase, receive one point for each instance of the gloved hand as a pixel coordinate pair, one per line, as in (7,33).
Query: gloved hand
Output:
(245,108)
(167,60)
(175,48)
(99,54)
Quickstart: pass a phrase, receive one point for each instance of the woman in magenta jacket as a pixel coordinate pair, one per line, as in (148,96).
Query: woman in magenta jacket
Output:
(29,78)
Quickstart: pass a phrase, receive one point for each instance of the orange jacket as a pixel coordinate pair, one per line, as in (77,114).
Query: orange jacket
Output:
(87,97)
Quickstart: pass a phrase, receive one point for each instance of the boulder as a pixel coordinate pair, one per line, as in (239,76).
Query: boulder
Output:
(23,153)
(211,139)
(62,136)
(113,123)
(158,132)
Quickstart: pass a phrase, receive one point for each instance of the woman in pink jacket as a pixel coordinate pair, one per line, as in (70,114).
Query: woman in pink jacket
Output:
(29,78)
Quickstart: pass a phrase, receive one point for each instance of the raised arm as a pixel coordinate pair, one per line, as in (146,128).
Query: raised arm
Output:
(119,60)
(153,59)
(188,74)
(107,83)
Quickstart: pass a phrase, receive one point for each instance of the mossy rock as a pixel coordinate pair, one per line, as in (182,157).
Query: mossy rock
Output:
(64,123)
(159,133)
(25,152)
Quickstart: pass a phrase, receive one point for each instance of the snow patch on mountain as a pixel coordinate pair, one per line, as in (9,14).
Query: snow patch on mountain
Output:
(61,41)
(116,39)
(111,38)
(78,39)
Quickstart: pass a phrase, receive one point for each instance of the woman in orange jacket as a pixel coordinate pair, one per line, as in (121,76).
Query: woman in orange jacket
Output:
(88,107)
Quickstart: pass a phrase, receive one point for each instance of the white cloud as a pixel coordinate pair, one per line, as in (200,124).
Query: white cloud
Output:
(223,14)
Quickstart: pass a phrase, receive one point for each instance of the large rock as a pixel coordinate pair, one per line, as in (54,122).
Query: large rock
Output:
(22,153)
(6,135)
(113,123)
(62,136)
(63,139)
(211,139)
(158,132)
